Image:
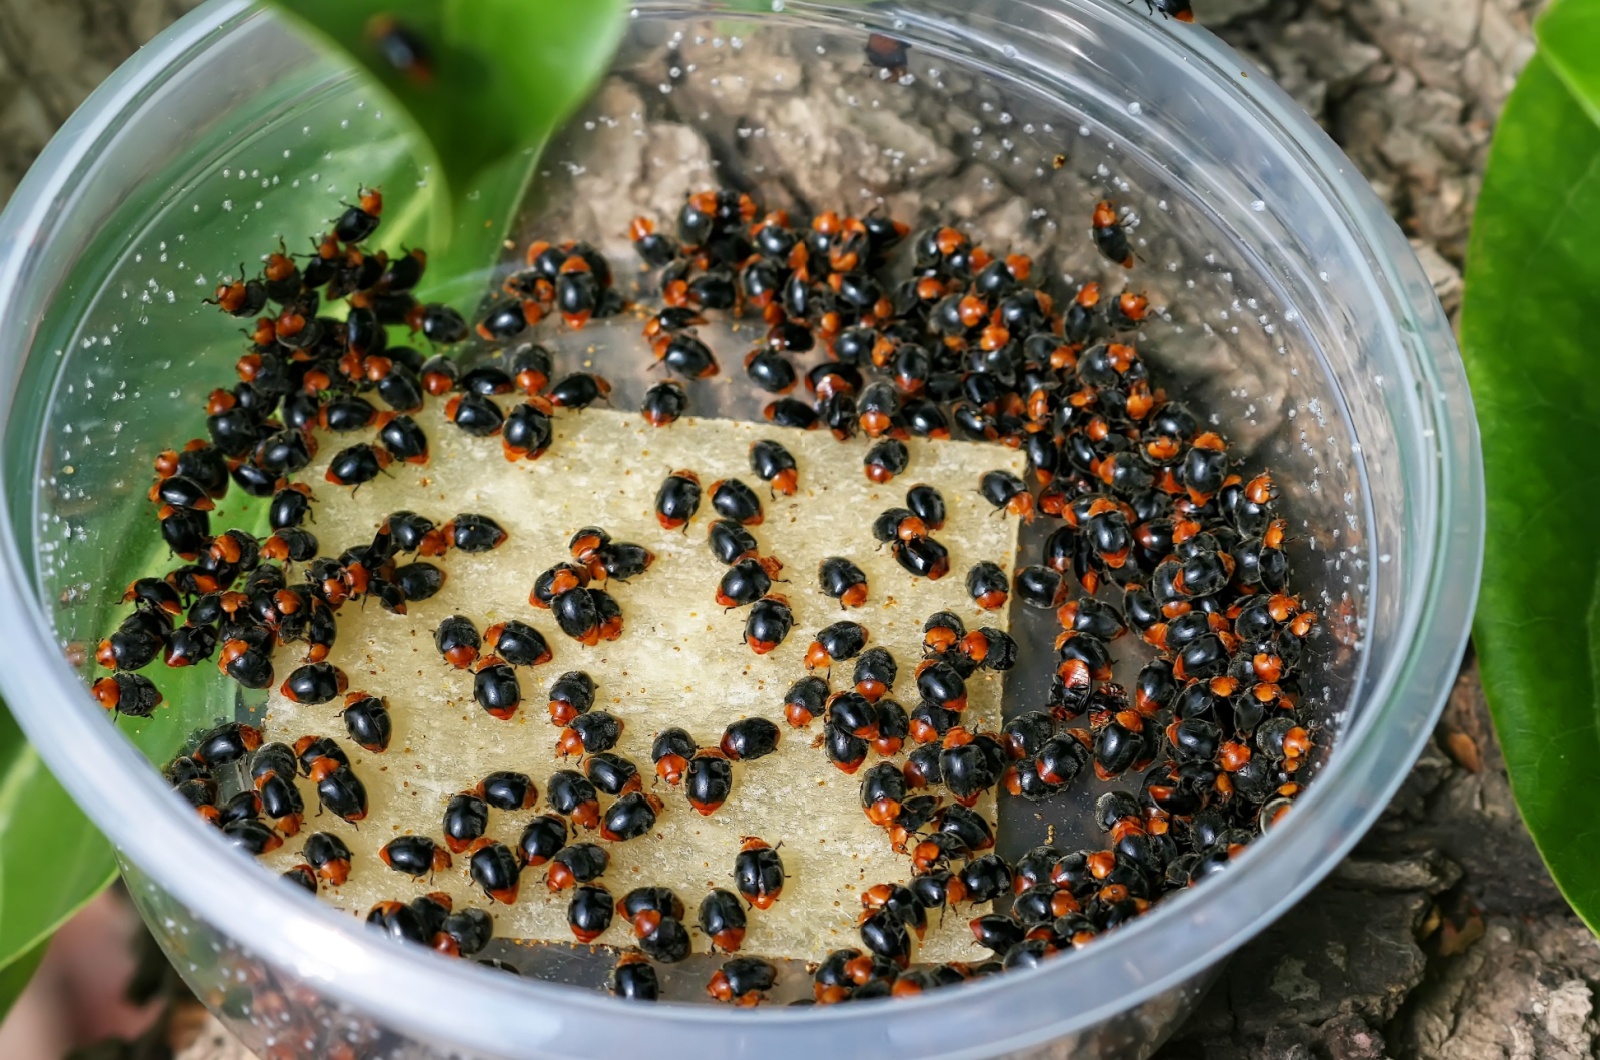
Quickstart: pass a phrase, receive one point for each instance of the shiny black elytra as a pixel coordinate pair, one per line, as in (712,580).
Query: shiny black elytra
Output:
(722,919)
(507,790)
(774,465)
(923,557)
(589,912)
(745,582)
(611,773)
(843,581)
(573,795)
(664,403)
(496,689)
(730,542)
(367,720)
(542,839)
(571,694)
(466,818)
(734,500)
(590,733)
(493,867)
(708,780)
(927,504)
(758,873)
(749,738)
(770,370)
(471,532)
(634,978)
(517,643)
(768,623)
(414,855)
(631,816)
(678,499)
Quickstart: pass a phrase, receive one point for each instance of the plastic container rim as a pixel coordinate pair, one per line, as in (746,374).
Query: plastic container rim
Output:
(282,926)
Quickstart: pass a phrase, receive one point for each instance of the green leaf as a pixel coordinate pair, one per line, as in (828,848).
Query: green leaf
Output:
(14,977)
(52,860)
(1568,35)
(500,77)
(1528,335)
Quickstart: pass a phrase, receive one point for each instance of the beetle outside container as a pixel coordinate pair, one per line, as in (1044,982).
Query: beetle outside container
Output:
(1286,302)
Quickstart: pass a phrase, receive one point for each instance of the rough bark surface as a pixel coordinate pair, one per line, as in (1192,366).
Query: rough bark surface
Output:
(1441,937)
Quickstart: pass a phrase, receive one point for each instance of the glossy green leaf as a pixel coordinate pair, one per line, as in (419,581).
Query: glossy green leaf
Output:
(499,77)
(1529,338)
(52,860)
(1569,36)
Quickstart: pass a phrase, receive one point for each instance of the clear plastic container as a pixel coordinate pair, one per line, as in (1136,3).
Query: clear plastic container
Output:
(1294,310)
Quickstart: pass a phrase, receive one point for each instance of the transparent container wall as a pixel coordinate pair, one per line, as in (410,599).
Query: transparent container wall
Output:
(133,348)
(1263,315)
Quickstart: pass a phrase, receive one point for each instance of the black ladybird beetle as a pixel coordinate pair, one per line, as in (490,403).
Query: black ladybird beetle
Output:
(838,642)
(722,919)
(758,872)
(579,391)
(570,695)
(678,499)
(414,855)
(475,414)
(339,790)
(745,582)
(466,818)
(987,585)
(768,623)
(543,838)
(507,790)
(471,532)
(130,694)
(495,868)
(886,459)
(573,795)
(517,643)
(708,778)
(1110,236)
(743,981)
(749,738)
(589,733)
(774,465)
(496,689)
(366,719)
(804,700)
(589,912)
(671,751)
(328,857)
(874,674)
(734,500)
(1006,491)
(843,580)
(663,403)
(631,816)
(527,431)
(634,977)
(927,504)
(357,465)
(314,683)
(457,640)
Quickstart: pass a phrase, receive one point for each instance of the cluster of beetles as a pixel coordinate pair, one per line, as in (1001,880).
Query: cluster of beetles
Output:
(1157,533)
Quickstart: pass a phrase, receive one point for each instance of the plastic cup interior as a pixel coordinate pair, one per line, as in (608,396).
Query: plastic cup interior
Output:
(1290,309)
